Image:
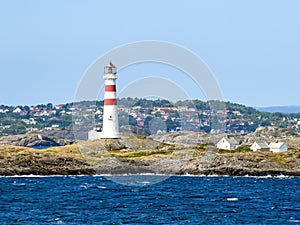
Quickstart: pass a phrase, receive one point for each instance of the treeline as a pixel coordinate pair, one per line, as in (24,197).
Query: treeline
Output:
(13,123)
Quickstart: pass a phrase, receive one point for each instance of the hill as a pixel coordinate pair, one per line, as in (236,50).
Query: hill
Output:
(280,109)
(136,116)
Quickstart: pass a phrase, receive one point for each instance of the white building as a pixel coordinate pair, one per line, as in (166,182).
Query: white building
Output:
(278,147)
(30,121)
(17,110)
(4,110)
(227,143)
(260,146)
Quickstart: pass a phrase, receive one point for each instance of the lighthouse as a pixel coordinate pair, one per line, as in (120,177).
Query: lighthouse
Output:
(110,112)
(110,128)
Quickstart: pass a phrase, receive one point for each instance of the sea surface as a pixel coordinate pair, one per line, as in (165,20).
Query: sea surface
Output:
(176,200)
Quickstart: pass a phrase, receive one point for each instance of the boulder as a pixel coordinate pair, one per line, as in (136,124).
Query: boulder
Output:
(29,140)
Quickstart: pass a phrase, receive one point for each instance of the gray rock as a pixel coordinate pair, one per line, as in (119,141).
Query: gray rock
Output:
(29,140)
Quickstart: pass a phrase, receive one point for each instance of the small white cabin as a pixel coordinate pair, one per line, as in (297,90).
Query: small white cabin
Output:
(278,147)
(17,110)
(260,146)
(227,143)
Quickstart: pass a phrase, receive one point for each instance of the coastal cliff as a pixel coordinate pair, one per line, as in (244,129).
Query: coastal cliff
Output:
(135,154)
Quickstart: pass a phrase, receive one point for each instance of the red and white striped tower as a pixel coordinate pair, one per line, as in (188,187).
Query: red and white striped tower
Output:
(110,111)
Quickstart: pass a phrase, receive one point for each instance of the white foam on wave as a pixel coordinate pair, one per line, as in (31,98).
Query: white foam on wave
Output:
(18,184)
(145,174)
(232,199)
(200,175)
(41,176)
(101,187)
(128,174)
(293,221)
(33,176)
(276,177)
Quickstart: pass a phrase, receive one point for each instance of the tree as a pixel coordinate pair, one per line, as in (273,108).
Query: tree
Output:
(49,106)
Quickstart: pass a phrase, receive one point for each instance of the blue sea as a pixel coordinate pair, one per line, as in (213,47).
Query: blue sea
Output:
(176,200)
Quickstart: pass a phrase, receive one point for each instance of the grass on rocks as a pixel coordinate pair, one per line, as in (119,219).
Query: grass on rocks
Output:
(139,154)
(137,147)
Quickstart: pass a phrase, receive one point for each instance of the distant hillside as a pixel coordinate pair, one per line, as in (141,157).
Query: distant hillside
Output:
(135,115)
(281,109)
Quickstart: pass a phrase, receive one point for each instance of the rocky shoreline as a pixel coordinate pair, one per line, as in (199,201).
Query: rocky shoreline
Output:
(134,154)
(32,140)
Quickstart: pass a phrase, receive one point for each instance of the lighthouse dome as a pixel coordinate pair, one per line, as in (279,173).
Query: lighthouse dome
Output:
(110,68)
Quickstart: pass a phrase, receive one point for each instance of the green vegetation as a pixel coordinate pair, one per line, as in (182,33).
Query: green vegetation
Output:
(240,149)
(243,148)
(138,154)
(197,117)
(280,159)
(201,147)
(199,150)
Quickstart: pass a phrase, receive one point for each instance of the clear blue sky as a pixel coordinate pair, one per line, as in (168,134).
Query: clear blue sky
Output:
(252,47)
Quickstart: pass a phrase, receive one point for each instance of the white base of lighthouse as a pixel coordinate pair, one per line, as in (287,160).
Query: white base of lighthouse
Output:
(96,135)
(110,122)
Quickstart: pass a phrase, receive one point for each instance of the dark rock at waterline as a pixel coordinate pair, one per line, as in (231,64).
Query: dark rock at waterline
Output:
(24,161)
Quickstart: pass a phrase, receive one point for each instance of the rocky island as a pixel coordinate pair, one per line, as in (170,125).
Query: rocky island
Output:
(172,153)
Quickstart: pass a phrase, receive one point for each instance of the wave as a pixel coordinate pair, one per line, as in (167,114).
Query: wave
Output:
(148,174)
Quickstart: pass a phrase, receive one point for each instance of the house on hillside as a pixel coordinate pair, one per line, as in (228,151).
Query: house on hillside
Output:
(278,147)
(17,110)
(4,110)
(260,147)
(227,143)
